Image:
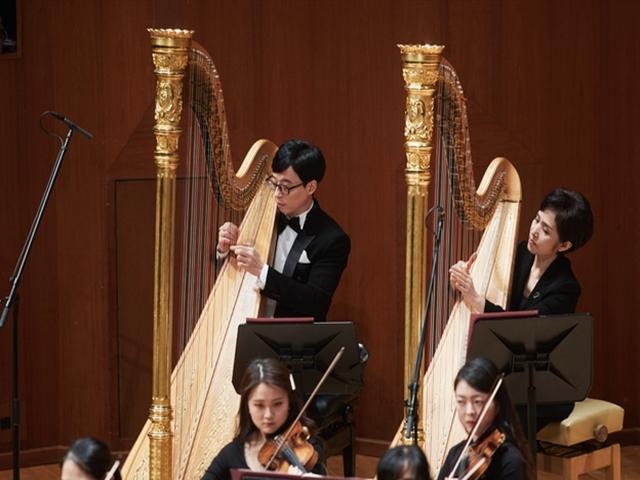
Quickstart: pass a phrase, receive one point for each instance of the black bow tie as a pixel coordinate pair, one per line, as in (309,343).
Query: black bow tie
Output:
(283,221)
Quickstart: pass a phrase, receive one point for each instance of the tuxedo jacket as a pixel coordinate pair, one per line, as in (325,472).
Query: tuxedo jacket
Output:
(556,292)
(306,285)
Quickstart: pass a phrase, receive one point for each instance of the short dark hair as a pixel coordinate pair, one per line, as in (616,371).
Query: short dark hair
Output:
(271,372)
(92,457)
(574,218)
(403,460)
(305,159)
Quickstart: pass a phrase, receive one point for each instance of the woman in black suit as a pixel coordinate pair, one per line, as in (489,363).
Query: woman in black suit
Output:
(542,277)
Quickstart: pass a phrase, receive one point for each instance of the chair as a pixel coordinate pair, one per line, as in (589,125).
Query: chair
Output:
(576,445)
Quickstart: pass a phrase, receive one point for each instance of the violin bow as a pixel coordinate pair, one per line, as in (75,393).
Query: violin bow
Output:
(330,368)
(476,426)
(112,471)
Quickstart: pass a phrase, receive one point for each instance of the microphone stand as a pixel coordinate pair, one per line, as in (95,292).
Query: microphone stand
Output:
(12,300)
(411,422)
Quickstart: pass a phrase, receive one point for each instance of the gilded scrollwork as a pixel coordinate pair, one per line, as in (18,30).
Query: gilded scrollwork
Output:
(420,77)
(167,143)
(415,115)
(168,101)
(170,62)
(419,120)
(416,161)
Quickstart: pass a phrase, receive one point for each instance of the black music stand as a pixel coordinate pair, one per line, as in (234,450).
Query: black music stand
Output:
(546,359)
(307,349)
(245,474)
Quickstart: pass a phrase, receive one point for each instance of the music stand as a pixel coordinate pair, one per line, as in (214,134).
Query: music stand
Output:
(546,359)
(246,474)
(307,349)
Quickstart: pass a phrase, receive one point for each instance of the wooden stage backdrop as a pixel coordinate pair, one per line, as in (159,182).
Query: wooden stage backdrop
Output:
(552,85)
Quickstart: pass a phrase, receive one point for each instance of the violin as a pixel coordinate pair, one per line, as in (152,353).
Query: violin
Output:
(293,448)
(480,455)
(296,451)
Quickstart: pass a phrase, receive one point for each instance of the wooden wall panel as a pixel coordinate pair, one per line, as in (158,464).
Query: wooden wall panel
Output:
(551,85)
(27,163)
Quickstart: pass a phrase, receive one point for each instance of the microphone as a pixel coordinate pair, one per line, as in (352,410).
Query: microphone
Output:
(70,124)
(439,211)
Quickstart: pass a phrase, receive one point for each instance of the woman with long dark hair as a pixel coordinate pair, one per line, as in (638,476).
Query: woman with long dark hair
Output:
(268,406)
(473,386)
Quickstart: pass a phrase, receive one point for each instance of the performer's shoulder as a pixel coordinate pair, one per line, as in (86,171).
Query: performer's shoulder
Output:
(328,224)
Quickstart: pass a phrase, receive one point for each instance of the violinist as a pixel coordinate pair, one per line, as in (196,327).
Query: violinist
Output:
(268,405)
(508,457)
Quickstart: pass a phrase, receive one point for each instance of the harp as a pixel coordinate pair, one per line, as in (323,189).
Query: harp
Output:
(482,219)
(193,408)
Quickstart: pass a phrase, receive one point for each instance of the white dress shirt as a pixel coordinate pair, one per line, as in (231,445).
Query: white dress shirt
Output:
(283,247)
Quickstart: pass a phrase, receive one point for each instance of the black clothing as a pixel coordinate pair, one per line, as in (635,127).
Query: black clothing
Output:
(283,222)
(506,464)
(556,292)
(306,289)
(232,456)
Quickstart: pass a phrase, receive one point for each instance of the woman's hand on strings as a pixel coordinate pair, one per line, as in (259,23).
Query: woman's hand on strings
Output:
(460,278)
(227,236)
(293,470)
(248,259)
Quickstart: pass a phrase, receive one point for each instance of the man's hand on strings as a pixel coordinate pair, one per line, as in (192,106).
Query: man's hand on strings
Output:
(248,259)
(227,236)
(460,278)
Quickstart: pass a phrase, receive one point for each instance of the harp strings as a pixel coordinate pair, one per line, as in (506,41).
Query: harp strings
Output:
(453,178)
(202,212)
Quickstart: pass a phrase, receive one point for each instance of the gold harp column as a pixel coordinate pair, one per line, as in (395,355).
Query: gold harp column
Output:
(170,58)
(420,72)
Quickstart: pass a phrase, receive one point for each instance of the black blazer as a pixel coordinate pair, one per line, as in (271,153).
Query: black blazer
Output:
(556,292)
(307,290)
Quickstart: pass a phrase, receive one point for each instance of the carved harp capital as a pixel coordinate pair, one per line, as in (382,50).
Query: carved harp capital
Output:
(168,109)
(420,73)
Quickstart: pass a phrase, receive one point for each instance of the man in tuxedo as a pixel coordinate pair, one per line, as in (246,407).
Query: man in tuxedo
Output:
(312,250)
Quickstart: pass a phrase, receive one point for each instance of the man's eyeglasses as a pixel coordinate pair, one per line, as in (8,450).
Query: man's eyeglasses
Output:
(283,188)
